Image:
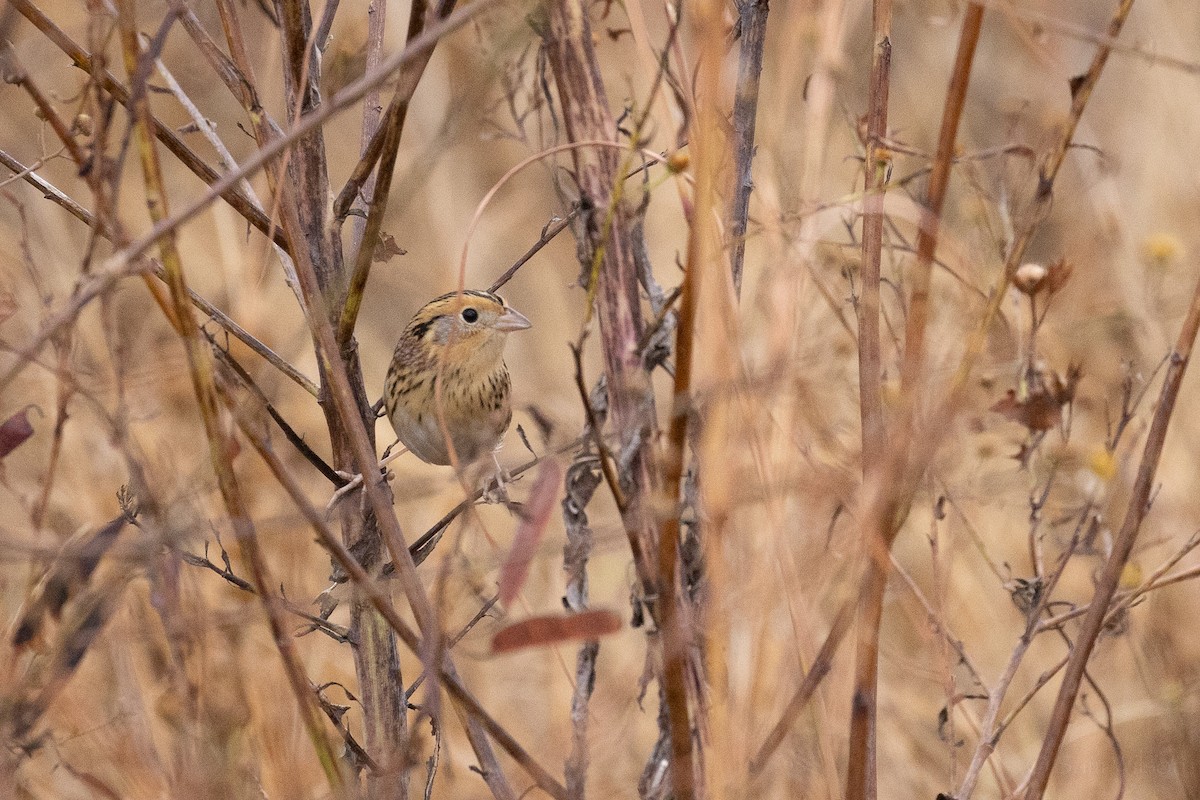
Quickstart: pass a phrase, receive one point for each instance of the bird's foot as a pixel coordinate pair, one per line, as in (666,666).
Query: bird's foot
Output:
(354,479)
(496,489)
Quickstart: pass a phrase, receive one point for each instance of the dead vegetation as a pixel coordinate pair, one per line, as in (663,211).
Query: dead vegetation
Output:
(852,455)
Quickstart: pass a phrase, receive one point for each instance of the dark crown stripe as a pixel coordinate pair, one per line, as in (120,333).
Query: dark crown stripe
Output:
(495,298)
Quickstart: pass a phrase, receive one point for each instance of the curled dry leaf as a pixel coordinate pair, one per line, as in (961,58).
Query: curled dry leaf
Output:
(552,628)
(1058,274)
(15,430)
(1037,412)
(1040,409)
(386,248)
(535,515)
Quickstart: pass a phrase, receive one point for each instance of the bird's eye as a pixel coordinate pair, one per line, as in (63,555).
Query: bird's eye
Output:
(470,315)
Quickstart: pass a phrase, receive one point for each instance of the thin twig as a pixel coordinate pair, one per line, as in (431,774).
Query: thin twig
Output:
(294,438)
(552,229)
(821,666)
(935,198)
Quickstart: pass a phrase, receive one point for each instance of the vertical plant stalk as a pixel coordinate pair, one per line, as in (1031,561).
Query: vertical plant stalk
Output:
(607,254)
(1110,577)
(376,659)
(860,775)
(385,708)
(372,527)
(752,17)
(583,477)
(935,198)
(200,367)
(870,367)
(672,632)
(587,117)
(352,442)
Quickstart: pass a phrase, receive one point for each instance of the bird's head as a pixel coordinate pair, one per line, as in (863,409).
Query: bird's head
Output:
(467,326)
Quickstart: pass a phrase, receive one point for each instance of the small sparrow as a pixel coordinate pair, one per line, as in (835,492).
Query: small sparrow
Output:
(448,368)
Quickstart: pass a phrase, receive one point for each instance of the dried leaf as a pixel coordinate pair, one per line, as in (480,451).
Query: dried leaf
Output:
(534,518)
(1044,398)
(386,248)
(552,628)
(1057,275)
(15,430)
(1039,412)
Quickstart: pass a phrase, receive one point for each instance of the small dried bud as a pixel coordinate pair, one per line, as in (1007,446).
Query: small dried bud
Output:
(678,162)
(1029,277)
(82,124)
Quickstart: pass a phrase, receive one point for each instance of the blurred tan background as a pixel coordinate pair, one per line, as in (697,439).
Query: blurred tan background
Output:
(1124,215)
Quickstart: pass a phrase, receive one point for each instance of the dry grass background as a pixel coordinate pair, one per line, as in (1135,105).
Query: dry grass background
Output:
(786,469)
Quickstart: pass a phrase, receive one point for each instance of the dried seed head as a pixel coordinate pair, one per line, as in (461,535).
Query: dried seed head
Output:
(83,124)
(678,162)
(1029,278)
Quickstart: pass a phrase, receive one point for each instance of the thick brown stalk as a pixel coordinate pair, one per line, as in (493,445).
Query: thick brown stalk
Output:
(1110,577)
(672,631)
(385,720)
(307,166)
(608,257)
(321,275)
(348,414)
(877,167)
(860,776)
(587,117)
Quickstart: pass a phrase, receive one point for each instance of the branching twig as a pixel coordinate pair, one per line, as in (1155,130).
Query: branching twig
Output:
(1110,577)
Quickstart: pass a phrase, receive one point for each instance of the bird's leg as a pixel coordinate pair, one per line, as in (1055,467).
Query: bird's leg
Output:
(497,486)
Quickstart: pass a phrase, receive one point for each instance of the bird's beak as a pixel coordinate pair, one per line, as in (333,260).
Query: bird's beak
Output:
(512,320)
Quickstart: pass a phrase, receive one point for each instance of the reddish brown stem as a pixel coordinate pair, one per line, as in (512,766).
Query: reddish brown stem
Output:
(935,197)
